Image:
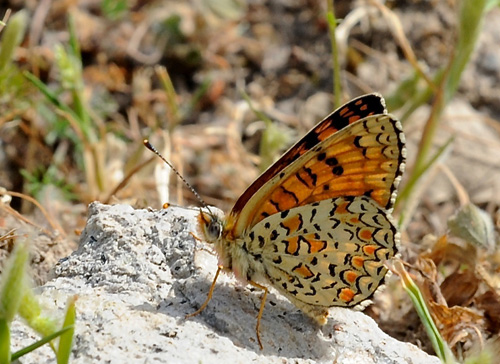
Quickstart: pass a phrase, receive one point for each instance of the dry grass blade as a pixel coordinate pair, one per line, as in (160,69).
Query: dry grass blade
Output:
(17,215)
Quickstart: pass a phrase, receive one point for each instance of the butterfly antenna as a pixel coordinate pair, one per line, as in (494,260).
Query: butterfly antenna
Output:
(155,151)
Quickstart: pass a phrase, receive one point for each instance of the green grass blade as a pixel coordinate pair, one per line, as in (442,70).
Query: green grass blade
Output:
(415,177)
(168,86)
(471,18)
(332,26)
(40,342)
(66,340)
(114,9)
(73,39)
(49,94)
(438,343)
(4,342)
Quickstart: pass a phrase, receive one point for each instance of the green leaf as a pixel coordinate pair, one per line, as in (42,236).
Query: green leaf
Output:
(31,311)
(474,226)
(12,37)
(13,281)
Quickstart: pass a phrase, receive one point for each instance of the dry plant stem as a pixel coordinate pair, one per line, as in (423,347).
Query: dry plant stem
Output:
(17,215)
(430,128)
(8,235)
(136,40)
(93,177)
(125,180)
(8,117)
(172,109)
(51,221)
(37,25)
(462,194)
(398,33)
(5,19)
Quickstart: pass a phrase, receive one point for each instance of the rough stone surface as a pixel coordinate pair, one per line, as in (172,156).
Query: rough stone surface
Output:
(137,273)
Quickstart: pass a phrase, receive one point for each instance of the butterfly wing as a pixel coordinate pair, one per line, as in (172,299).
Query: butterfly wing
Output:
(367,158)
(328,253)
(354,110)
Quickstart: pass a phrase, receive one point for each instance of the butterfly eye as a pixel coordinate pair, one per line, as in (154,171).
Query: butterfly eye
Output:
(215,228)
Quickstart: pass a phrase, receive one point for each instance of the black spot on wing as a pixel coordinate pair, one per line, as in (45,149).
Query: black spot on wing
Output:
(338,170)
(312,291)
(332,161)
(310,140)
(274,235)
(356,142)
(331,269)
(313,214)
(262,241)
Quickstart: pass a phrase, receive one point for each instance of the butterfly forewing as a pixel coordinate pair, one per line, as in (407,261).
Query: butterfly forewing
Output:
(365,159)
(344,116)
(330,253)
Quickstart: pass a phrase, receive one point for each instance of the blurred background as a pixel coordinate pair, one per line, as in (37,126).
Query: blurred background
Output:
(222,88)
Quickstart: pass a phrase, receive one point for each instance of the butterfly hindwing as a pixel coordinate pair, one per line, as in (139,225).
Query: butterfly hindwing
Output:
(329,253)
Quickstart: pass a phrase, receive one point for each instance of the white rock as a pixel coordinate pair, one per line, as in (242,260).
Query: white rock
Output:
(136,279)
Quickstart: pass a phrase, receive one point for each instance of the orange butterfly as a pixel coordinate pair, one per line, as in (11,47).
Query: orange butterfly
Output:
(316,225)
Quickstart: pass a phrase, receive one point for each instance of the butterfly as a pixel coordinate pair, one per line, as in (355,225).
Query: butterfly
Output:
(316,225)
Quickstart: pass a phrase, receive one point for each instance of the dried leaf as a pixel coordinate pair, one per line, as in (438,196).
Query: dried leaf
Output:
(489,302)
(459,288)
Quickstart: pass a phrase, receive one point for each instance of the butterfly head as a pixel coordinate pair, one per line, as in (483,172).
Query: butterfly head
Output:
(211,225)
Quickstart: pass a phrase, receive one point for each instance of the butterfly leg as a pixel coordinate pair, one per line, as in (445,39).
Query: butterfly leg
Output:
(261,310)
(210,292)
